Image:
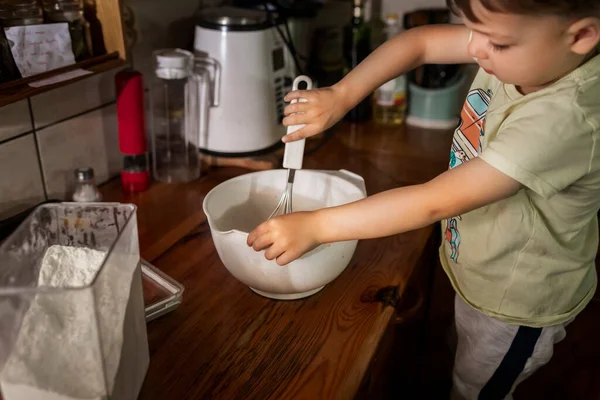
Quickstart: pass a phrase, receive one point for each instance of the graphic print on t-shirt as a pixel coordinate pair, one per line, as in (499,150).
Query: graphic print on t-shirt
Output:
(466,145)
(467,137)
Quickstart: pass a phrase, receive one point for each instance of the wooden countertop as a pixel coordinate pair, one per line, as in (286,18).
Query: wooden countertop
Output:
(226,342)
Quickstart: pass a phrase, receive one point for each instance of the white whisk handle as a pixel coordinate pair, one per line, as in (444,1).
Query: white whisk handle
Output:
(294,151)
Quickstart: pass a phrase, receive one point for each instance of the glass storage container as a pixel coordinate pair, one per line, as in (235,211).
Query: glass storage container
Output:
(73,341)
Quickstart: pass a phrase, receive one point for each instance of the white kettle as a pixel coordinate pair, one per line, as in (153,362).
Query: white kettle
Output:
(255,73)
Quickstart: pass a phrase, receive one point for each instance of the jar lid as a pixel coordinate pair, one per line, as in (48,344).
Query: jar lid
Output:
(173,63)
(392,18)
(84,174)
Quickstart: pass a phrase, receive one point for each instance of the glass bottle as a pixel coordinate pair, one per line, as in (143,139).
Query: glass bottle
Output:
(20,13)
(357,46)
(96,37)
(71,12)
(85,186)
(389,101)
(175,105)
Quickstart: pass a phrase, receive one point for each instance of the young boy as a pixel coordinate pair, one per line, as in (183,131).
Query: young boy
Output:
(520,200)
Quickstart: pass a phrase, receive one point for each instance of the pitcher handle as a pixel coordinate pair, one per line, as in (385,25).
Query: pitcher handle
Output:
(203,94)
(216,84)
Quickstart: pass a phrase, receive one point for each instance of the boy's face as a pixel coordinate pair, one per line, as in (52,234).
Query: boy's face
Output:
(527,51)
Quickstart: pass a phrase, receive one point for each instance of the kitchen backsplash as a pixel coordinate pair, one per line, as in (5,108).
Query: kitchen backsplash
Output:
(45,138)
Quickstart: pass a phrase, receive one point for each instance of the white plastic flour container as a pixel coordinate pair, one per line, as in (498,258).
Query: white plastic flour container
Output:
(72,320)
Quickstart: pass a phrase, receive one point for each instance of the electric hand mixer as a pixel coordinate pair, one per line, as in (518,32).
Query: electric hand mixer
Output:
(292,157)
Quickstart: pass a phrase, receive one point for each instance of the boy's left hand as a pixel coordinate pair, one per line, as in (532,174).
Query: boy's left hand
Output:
(286,237)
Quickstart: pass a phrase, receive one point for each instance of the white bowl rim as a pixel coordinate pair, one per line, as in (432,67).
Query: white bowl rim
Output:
(244,176)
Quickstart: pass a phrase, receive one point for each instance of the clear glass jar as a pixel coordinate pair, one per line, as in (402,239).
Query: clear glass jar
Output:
(175,100)
(85,186)
(71,11)
(20,13)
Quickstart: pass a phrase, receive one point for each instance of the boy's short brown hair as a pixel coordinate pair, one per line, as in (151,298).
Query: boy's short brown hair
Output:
(567,8)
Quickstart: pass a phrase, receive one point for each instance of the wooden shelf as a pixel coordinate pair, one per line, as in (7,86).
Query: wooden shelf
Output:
(108,13)
(19,89)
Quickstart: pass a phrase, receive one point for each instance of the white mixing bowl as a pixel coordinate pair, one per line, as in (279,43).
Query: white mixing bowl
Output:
(235,207)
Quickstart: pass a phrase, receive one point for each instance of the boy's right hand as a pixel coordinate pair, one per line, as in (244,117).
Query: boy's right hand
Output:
(323,108)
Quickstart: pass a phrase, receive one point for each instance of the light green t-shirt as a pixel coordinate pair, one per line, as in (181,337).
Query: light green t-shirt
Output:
(529,259)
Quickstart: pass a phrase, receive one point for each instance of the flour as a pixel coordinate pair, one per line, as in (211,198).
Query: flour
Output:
(65,266)
(57,354)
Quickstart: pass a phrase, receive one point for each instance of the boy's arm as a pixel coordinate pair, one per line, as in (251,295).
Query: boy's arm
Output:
(462,189)
(435,44)
(457,191)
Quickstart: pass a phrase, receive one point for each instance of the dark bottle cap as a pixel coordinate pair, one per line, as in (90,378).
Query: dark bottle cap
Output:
(84,174)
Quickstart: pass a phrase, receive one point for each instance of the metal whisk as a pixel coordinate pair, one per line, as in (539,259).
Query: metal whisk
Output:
(285,201)
(292,158)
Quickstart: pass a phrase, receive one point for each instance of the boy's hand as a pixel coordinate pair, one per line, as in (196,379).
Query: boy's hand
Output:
(323,108)
(286,237)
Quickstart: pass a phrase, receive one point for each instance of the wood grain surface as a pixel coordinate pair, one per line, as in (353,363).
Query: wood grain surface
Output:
(225,341)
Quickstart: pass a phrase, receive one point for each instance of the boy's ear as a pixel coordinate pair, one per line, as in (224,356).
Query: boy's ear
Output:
(585,35)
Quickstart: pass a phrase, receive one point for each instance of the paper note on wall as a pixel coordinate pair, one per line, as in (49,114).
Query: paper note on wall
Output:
(40,48)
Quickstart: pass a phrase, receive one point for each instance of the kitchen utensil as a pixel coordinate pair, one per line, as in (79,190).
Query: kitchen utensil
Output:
(237,206)
(256,72)
(292,157)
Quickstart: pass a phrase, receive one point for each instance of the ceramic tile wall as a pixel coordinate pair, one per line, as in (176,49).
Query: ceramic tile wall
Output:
(72,100)
(20,176)
(89,140)
(15,120)
(20,173)
(44,138)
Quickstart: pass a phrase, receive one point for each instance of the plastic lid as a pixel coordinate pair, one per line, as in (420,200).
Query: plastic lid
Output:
(234,16)
(173,63)
(235,19)
(162,293)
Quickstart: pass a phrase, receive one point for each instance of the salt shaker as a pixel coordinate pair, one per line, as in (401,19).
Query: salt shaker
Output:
(85,186)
